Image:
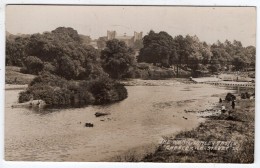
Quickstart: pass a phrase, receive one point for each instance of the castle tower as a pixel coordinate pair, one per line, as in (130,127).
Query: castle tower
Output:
(138,36)
(111,35)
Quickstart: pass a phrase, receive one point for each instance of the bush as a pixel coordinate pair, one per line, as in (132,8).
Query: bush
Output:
(106,91)
(230,97)
(40,91)
(245,95)
(56,91)
(80,96)
(49,79)
(24,96)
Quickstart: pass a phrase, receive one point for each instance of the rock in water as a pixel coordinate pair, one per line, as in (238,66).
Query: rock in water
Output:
(98,114)
(89,125)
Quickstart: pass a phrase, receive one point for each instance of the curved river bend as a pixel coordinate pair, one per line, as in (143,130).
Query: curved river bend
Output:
(148,113)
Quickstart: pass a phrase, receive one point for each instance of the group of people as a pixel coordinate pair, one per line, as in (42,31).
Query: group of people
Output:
(223,108)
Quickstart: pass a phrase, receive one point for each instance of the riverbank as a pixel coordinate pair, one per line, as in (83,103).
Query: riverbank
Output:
(15,87)
(220,139)
(163,82)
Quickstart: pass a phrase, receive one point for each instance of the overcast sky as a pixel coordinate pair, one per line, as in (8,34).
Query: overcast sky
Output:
(208,23)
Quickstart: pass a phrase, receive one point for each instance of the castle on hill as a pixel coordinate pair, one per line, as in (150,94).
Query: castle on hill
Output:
(134,41)
(129,40)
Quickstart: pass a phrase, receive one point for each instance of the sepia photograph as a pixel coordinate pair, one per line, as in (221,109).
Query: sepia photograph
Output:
(164,84)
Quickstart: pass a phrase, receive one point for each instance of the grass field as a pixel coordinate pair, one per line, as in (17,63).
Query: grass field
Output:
(13,76)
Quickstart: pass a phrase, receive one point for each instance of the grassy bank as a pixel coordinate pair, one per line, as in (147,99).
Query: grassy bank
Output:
(13,76)
(235,129)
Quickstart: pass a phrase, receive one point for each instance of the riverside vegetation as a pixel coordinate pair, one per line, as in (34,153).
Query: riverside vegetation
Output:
(64,54)
(69,73)
(63,71)
(57,91)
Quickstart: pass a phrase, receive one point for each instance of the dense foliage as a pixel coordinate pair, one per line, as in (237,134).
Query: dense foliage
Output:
(33,65)
(62,52)
(190,54)
(71,73)
(158,48)
(57,91)
(67,54)
(117,58)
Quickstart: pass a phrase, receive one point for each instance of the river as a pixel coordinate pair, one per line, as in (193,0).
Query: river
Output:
(148,113)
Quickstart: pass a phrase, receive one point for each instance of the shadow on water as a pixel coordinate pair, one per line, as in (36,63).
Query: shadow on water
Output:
(43,110)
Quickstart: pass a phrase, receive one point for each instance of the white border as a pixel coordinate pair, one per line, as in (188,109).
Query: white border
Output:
(4,164)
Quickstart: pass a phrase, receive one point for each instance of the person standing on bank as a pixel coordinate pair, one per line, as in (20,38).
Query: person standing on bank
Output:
(233,104)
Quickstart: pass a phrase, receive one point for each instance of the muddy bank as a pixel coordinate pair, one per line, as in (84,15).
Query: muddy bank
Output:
(223,138)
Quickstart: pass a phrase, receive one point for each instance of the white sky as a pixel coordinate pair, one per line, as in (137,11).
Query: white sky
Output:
(208,23)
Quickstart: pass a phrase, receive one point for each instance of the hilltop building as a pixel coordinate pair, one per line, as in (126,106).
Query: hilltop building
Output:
(129,40)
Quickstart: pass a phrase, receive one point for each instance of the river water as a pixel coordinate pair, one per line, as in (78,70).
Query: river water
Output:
(148,113)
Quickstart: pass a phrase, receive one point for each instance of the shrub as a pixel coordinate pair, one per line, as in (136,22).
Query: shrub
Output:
(57,91)
(42,91)
(24,96)
(245,95)
(121,91)
(80,95)
(230,97)
(49,79)
(106,91)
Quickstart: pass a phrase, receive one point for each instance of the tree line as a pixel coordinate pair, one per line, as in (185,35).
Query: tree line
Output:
(189,53)
(64,52)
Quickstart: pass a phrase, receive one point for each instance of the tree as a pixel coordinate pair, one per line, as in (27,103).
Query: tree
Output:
(157,48)
(214,68)
(68,68)
(251,54)
(16,50)
(33,65)
(117,58)
(101,42)
(192,53)
(63,52)
(240,62)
